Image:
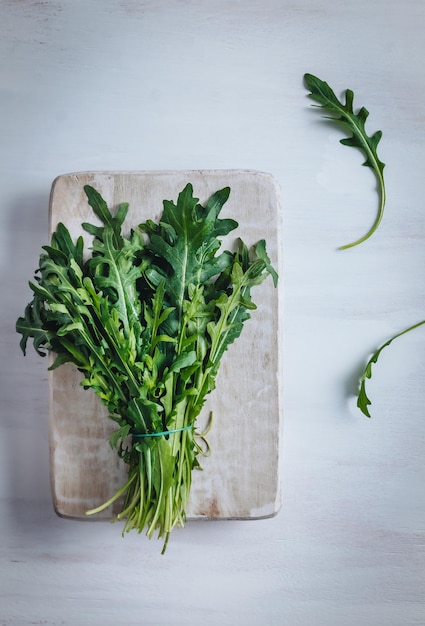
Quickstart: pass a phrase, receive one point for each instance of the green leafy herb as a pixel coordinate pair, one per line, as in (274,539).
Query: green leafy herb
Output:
(363,401)
(146,319)
(354,123)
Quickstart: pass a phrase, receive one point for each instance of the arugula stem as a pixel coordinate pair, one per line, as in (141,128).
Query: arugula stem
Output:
(142,494)
(182,456)
(167,536)
(373,229)
(114,498)
(158,503)
(130,505)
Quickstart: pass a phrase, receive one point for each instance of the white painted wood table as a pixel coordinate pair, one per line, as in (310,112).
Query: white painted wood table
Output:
(165,85)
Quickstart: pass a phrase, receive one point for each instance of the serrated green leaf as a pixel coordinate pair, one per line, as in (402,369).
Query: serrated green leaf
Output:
(101,209)
(354,123)
(119,435)
(31,327)
(189,257)
(114,274)
(62,247)
(261,252)
(362,400)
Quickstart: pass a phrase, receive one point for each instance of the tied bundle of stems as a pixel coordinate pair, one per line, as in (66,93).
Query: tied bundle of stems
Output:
(146,319)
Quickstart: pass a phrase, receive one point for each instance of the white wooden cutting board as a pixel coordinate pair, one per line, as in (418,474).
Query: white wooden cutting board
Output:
(241,477)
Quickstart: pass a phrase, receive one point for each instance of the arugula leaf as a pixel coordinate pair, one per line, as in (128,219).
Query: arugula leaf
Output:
(363,402)
(31,327)
(100,208)
(184,243)
(354,123)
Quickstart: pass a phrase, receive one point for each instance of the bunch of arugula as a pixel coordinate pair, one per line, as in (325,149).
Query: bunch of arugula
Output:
(146,319)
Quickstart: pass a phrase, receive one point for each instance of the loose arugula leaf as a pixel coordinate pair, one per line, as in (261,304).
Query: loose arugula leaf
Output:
(363,402)
(354,123)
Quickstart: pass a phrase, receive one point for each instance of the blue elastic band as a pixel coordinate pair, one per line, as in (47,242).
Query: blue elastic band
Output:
(161,434)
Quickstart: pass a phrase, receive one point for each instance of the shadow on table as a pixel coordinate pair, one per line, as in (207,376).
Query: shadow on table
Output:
(23,380)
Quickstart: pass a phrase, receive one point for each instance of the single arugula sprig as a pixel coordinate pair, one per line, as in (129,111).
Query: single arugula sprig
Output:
(146,319)
(363,402)
(354,123)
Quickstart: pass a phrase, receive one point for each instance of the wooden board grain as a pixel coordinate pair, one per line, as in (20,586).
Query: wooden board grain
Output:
(241,478)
